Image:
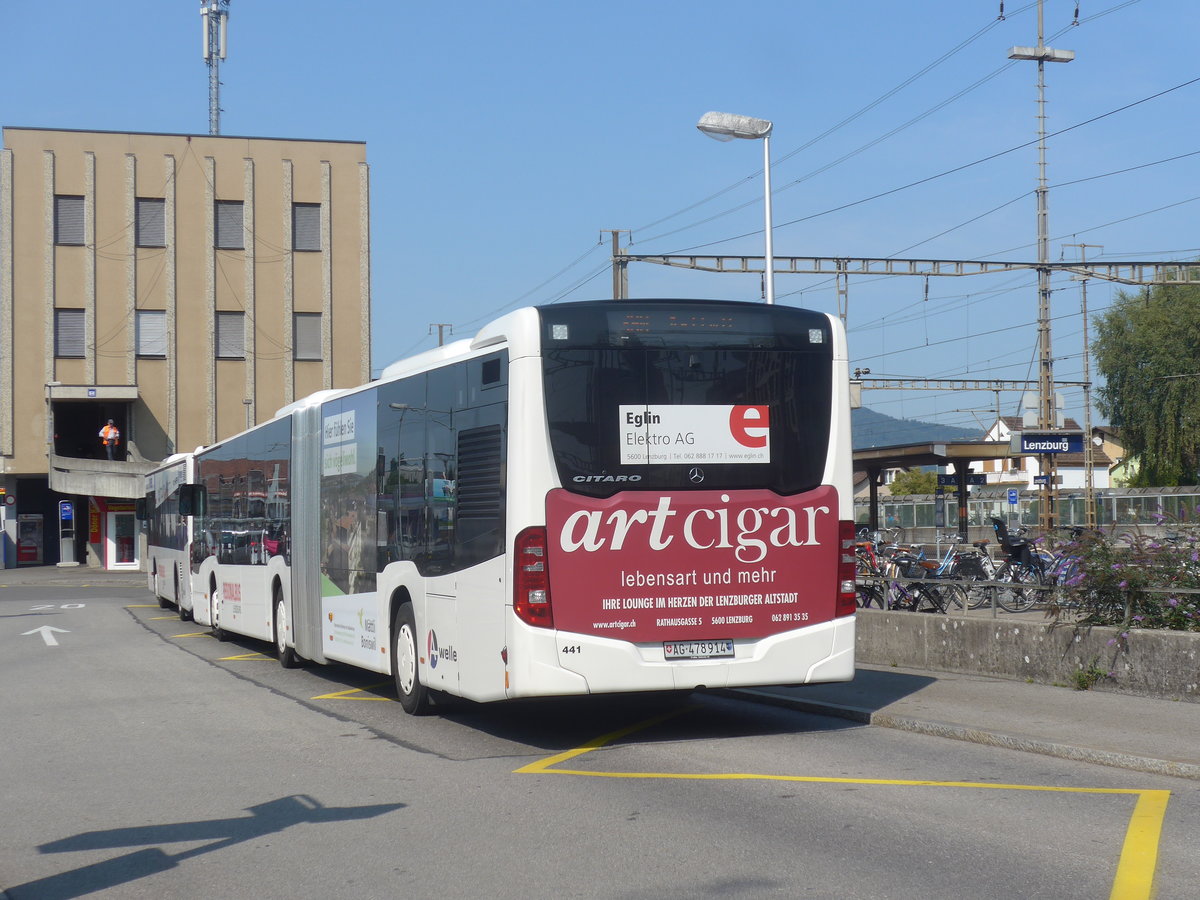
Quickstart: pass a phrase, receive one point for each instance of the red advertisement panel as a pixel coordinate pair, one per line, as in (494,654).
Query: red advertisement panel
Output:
(650,566)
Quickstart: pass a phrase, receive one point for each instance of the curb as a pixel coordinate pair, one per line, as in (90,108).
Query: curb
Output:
(973,735)
(71,576)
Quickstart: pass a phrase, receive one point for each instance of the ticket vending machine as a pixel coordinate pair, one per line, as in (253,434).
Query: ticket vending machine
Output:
(29,539)
(66,533)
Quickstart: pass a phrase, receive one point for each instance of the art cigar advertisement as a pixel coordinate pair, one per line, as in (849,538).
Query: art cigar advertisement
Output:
(648,566)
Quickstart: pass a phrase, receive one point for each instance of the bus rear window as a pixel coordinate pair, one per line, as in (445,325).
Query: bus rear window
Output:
(670,419)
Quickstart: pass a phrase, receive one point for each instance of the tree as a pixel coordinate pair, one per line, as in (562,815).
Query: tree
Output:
(913,481)
(1147,349)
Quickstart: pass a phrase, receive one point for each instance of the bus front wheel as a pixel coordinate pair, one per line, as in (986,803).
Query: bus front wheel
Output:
(413,695)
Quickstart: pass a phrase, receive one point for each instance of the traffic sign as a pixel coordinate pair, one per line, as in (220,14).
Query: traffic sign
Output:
(1012,496)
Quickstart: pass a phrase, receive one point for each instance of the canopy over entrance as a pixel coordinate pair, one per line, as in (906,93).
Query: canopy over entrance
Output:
(959,455)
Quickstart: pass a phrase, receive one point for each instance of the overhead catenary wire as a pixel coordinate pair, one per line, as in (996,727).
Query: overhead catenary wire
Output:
(839,125)
(595,273)
(879,139)
(1139,254)
(951,171)
(533,290)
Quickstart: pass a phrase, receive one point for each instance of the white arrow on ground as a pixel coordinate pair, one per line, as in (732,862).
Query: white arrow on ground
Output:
(46,632)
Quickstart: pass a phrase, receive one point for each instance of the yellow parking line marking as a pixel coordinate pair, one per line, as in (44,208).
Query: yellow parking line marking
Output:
(1135,867)
(1139,855)
(349,695)
(251,656)
(194,634)
(160,618)
(544,765)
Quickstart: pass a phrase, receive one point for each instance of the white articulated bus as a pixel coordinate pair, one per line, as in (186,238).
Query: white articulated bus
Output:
(168,533)
(604,496)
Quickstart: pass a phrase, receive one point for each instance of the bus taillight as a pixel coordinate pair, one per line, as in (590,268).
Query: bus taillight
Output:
(531,594)
(847,600)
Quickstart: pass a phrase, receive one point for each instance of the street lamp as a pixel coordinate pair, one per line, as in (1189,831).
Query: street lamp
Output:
(726,127)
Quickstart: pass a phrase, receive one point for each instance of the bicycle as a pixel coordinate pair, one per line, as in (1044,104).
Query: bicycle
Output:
(915,595)
(872,549)
(966,565)
(894,576)
(1022,566)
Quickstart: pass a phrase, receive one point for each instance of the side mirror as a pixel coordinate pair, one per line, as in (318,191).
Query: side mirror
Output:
(192,500)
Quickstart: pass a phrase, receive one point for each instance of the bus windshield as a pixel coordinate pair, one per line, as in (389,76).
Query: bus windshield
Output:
(641,399)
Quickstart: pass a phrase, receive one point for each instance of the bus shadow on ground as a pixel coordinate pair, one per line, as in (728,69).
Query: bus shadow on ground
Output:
(564,723)
(869,692)
(555,724)
(264,819)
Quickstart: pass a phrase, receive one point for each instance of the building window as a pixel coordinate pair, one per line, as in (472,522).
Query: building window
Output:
(306,226)
(231,335)
(151,330)
(306,335)
(230,233)
(68,333)
(151,222)
(68,219)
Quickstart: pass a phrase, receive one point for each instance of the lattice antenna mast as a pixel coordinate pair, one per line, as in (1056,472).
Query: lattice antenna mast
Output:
(215,17)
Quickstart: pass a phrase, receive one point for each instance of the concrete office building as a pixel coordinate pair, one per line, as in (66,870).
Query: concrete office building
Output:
(184,286)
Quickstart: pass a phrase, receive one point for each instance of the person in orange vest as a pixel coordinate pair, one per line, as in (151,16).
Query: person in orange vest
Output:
(110,437)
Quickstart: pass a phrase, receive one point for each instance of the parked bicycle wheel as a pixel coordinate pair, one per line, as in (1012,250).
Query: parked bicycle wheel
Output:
(971,569)
(954,596)
(899,595)
(1014,596)
(929,598)
(870,596)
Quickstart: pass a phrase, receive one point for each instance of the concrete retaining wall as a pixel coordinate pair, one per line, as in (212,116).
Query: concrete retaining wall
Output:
(1153,663)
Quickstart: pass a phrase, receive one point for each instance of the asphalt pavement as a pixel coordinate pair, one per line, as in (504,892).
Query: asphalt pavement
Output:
(1145,734)
(1097,726)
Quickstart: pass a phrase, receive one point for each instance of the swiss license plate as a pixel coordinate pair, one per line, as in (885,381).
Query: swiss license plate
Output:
(697,649)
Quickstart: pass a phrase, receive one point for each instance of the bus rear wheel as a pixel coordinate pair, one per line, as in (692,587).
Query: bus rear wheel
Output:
(185,615)
(413,695)
(287,655)
(215,609)
(163,602)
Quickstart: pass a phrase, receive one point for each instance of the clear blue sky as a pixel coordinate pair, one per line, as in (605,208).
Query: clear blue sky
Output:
(504,137)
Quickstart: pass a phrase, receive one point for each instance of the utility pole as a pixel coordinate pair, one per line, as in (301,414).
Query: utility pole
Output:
(620,267)
(215,14)
(843,291)
(440,326)
(1047,512)
(1089,458)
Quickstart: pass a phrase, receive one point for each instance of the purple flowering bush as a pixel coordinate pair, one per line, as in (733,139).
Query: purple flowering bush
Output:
(1131,580)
